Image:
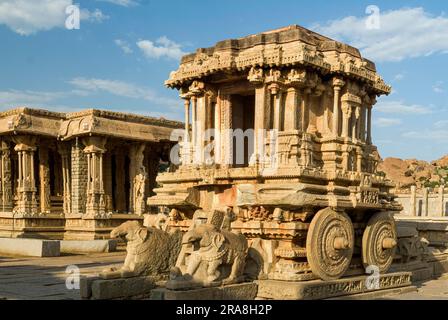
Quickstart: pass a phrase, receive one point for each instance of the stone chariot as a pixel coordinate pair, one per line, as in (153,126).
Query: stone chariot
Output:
(290,162)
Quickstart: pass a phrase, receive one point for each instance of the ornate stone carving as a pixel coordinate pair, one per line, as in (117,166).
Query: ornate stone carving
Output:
(150,251)
(219,258)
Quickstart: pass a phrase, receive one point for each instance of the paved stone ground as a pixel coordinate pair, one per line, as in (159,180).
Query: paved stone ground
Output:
(428,290)
(44,278)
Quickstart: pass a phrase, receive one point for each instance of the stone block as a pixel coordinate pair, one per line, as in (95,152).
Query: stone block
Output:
(318,289)
(241,291)
(30,247)
(123,288)
(88,246)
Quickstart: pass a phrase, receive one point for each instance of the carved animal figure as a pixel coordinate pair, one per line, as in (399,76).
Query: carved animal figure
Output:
(217,248)
(150,251)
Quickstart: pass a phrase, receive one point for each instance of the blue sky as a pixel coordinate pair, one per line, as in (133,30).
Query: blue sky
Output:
(125,49)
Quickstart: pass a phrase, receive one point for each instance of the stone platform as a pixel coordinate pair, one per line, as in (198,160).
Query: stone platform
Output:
(318,289)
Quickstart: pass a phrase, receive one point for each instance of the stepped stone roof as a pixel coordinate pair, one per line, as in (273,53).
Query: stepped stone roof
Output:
(288,46)
(24,120)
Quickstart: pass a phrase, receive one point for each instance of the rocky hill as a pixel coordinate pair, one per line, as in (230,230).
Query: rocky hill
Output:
(405,173)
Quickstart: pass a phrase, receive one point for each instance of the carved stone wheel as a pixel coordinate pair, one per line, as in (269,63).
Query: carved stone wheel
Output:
(329,244)
(379,241)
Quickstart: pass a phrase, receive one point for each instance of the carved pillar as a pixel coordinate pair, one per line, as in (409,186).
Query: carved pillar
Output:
(6,184)
(413,200)
(120,192)
(79,175)
(187,119)
(276,92)
(291,109)
(138,178)
(355,125)
(217,132)
(44,177)
(187,140)
(337,86)
(369,121)
(425,212)
(94,151)
(362,124)
(64,151)
(107,176)
(305,109)
(226,132)
(440,200)
(201,113)
(260,124)
(26,189)
(346,114)
(193,120)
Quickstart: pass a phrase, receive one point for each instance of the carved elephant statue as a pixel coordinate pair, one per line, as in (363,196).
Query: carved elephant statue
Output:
(215,248)
(150,251)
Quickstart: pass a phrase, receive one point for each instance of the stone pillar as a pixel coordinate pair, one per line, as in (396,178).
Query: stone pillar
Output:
(201,113)
(26,190)
(226,134)
(187,140)
(291,109)
(346,114)
(440,200)
(305,109)
(79,178)
(94,151)
(217,132)
(362,125)
(138,178)
(355,125)
(187,120)
(359,161)
(425,212)
(194,120)
(107,176)
(44,177)
(276,92)
(120,192)
(369,125)
(413,200)
(337,86)
(6,182)
(64,151)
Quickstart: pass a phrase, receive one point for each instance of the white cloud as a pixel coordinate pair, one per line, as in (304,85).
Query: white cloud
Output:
(399,77)
(123,89)
(433,135)
(27,17)
(398,107)
(162,47)
(404,33)
(441,124)
(438,87)
(386,122)
(123,46)
(123,3)
(93,16)
(14,98)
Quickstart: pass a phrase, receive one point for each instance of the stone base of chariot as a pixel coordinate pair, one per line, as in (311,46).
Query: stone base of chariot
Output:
(241,291)
(318,289)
